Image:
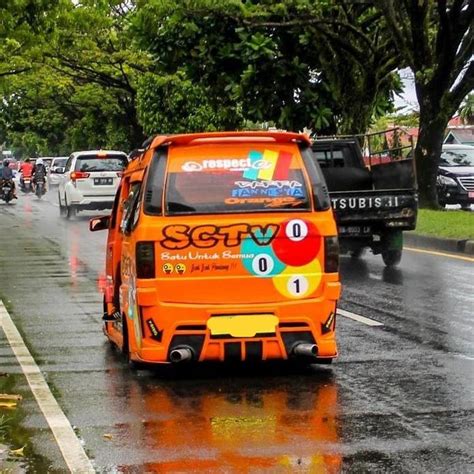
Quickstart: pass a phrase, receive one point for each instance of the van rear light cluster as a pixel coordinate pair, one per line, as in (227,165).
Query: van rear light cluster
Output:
(331,254)
(145,252)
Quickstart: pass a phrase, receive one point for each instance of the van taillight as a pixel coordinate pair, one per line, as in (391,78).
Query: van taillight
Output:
(145,252)
(331,254)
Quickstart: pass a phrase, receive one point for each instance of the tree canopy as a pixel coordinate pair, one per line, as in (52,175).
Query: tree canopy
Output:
(107,73)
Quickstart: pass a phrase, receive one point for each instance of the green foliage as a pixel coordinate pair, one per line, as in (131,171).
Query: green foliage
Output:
(174,104)
(467,110)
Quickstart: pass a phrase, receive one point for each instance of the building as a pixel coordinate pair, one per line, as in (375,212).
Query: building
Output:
(460,135)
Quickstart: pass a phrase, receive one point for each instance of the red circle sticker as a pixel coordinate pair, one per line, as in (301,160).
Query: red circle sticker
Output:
(297,242)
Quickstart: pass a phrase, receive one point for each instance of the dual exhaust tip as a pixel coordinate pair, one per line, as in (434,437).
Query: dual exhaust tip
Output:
(186,354)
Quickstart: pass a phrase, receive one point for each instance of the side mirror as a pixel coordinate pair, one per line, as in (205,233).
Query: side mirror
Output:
(99,223)
(59,170)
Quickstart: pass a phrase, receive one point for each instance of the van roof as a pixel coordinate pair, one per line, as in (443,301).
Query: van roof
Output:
(226,137)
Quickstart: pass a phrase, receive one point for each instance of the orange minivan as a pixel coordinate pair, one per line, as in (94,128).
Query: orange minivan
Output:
(222,247)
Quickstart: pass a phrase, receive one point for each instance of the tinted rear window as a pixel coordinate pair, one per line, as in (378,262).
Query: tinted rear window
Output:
(60,163)
(215,179)
(101,163)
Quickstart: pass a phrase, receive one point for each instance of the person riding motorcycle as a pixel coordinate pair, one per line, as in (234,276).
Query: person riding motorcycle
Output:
(26,170)
(39,172)
(6,175)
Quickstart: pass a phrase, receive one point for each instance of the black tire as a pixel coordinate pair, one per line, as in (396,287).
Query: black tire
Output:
(62,209)
(126,348)
(391,258)
(70,210)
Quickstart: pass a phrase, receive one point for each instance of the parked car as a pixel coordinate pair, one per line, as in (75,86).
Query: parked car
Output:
(56,170)
(90,180)
(456,176)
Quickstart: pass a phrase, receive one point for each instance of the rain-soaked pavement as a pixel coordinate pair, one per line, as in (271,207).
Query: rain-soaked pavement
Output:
(400,398)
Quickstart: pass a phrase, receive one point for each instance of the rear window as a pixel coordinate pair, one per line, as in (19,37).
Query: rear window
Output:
(60,163)
(101,163)
(215,179)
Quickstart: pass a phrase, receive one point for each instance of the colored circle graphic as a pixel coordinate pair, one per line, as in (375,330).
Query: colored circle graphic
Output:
(297,242)
(261,260)
(300,281)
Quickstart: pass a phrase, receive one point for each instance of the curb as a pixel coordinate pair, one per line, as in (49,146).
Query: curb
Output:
(435,243)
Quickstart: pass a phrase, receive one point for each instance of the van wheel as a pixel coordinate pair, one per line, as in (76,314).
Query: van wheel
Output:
(126,347)
(391,257)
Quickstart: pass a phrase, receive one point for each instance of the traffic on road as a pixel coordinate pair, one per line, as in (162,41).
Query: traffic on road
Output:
(398,398)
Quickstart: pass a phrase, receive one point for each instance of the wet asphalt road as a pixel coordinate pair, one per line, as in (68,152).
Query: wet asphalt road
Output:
(400,398)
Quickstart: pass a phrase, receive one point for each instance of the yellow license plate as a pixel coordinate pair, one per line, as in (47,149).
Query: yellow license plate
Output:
(242,325)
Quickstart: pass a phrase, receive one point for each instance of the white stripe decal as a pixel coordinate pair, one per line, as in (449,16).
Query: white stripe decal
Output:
(357,317)
(70,446)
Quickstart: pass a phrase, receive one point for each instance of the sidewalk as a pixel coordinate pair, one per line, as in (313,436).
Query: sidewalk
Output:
(435,243)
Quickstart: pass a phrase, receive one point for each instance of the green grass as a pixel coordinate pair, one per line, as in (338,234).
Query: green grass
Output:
(446,224)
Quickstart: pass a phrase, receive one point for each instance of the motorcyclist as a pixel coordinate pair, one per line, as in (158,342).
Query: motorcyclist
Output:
(7,176)
(39,172)
(26,170)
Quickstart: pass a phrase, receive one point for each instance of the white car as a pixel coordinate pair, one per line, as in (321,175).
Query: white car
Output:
(90,180)
(56,170)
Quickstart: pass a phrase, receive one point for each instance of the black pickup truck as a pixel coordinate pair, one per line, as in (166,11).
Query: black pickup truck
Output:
(373,194)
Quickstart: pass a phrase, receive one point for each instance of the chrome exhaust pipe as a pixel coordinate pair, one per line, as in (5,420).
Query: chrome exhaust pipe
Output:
(181,354)
(304,349)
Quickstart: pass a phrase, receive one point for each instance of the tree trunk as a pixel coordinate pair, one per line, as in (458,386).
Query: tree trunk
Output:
(427,153)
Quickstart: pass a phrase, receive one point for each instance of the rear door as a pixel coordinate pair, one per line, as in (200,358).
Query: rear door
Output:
(99,174)
(238,227)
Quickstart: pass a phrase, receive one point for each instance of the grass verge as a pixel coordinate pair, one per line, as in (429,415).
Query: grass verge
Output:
(445,224)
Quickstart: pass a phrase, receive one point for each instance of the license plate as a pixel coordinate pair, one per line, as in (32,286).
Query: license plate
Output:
(355,230)
(103,181)
(242,325)
(471,194)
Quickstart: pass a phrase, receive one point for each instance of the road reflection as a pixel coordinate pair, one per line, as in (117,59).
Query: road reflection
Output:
(257,422)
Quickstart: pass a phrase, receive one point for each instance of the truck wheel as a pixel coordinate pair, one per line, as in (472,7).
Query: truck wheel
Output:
(391,257)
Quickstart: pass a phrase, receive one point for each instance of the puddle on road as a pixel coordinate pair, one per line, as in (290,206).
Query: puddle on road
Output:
(217,424)
(16,451)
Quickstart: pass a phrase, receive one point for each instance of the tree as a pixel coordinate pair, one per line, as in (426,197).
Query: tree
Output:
(436,40)
(79,87)
(467,110)
(274,61)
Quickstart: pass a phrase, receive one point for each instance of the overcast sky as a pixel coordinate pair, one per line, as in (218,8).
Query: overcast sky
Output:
(407,100)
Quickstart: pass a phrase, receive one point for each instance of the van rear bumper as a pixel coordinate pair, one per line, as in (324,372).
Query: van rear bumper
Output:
(170,326)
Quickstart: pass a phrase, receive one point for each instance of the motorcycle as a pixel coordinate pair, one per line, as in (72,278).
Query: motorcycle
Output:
(6,191)
(26,185)
(40,189)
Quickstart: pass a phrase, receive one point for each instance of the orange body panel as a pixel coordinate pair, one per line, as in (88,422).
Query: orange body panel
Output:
(229,285)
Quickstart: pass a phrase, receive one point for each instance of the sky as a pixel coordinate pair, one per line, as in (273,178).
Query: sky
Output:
(407,100)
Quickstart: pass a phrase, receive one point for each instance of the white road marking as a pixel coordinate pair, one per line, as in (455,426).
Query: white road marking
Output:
(358,317)
(69,444)
(440,254)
